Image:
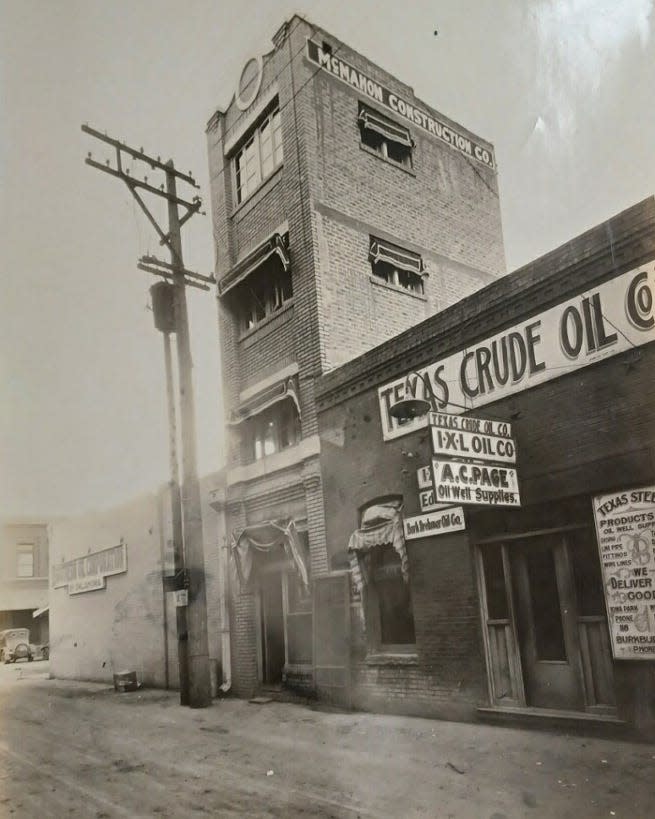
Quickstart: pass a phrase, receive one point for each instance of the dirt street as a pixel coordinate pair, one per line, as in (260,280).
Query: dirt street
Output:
(81,750)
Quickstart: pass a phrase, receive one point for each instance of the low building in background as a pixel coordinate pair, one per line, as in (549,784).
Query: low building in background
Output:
(24,568)
(111,610)
(497,558)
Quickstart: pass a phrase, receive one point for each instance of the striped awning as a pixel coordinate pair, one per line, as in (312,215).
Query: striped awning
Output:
(382,251)
(263,538)
(276,244)
(381,525)
(282,391)
(389,130)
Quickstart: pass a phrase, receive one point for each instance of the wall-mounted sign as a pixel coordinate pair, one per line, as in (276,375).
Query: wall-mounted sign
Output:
(434,523)
(625,530)
(483,484)
(472,445)
(602,322)
(426,498)
(88,573)
(397,105)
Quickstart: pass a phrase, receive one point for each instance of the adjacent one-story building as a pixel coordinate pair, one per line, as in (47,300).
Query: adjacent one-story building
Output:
(500,549)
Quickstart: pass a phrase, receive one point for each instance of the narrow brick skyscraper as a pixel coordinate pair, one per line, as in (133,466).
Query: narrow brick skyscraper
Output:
(345,210)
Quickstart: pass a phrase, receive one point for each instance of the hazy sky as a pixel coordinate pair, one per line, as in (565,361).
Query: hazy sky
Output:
(563,88)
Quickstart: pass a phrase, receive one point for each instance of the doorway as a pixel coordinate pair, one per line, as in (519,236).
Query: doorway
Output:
(272,628)
(545,628)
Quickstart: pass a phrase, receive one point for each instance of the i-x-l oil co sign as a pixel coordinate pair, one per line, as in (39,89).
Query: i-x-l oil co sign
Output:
(471,461)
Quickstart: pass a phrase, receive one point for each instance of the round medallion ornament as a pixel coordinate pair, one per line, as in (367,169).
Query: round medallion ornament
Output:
(249,83)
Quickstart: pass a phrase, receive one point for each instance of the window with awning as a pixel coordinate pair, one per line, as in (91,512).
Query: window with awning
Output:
(386,137)
(275,247)
(379,571)
(396,265)
(270,421)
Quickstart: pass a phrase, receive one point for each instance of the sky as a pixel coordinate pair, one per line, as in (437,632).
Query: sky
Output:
(562,88)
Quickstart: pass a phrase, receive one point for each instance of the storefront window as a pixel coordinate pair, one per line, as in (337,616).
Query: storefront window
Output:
(494,576)
(392,592)
(547,618)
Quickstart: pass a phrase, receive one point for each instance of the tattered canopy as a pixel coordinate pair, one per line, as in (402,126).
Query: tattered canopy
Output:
(263,538)
(381,525)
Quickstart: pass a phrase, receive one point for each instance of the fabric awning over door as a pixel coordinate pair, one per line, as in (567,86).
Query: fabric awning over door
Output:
(264,538)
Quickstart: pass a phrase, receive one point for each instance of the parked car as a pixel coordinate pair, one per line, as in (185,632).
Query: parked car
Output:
(15,645)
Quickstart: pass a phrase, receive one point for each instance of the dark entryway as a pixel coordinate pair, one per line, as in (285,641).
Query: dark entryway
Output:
(272,627)
(546,636)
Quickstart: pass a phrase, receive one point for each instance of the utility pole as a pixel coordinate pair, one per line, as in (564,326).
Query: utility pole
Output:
(192,557)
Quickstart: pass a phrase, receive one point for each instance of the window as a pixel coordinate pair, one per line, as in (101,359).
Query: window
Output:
(272,430)
(380,572)
(396,266)
(259,155)
(264,292)
(394,607)
(25,560)
(385,137)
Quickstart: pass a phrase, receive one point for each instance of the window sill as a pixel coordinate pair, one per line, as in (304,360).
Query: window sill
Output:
(254,331)
(395,288)
(268,183)
(388,160)
(384,659)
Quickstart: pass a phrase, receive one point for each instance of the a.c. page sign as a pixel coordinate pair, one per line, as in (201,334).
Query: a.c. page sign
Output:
(397,105)
(625,526)
(594,325)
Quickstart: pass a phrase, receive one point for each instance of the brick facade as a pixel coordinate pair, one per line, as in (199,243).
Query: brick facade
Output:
(587,432)
(331,194)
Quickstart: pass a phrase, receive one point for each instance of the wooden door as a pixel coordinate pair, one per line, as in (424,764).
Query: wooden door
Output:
(273,650)
(332,637)
(547,623)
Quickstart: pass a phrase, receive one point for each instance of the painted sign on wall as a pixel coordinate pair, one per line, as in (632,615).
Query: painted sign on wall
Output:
(625,530)
(88,573)
(400,107)
(602,322)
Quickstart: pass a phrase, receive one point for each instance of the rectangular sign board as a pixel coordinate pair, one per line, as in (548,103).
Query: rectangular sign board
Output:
(594,325)
(472,446)
(625,525)
(426,498)
(434,523)
(482,484)
(88,573)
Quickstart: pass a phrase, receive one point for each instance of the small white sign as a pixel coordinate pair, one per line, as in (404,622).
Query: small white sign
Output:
(473,446)
(181,597)
(434,523)
(483,484)
(86,584)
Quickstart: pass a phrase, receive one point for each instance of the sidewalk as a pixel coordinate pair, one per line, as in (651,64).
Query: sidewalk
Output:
(69,747)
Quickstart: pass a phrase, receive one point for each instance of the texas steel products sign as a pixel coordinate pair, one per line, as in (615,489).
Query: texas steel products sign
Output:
(625,530)
(88,573)
(397,105)
(592,326)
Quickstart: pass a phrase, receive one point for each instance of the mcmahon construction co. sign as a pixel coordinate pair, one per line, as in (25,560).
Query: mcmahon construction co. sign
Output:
(599,323)
(361,82)
(88,573)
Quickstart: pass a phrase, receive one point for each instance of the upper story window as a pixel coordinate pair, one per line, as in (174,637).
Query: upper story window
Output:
(394,265)
(263,293)
(259,155)
(385,137)
(273,430)
(25,560)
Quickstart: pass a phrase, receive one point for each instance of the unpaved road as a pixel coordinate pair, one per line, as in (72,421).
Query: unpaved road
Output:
(80,750)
